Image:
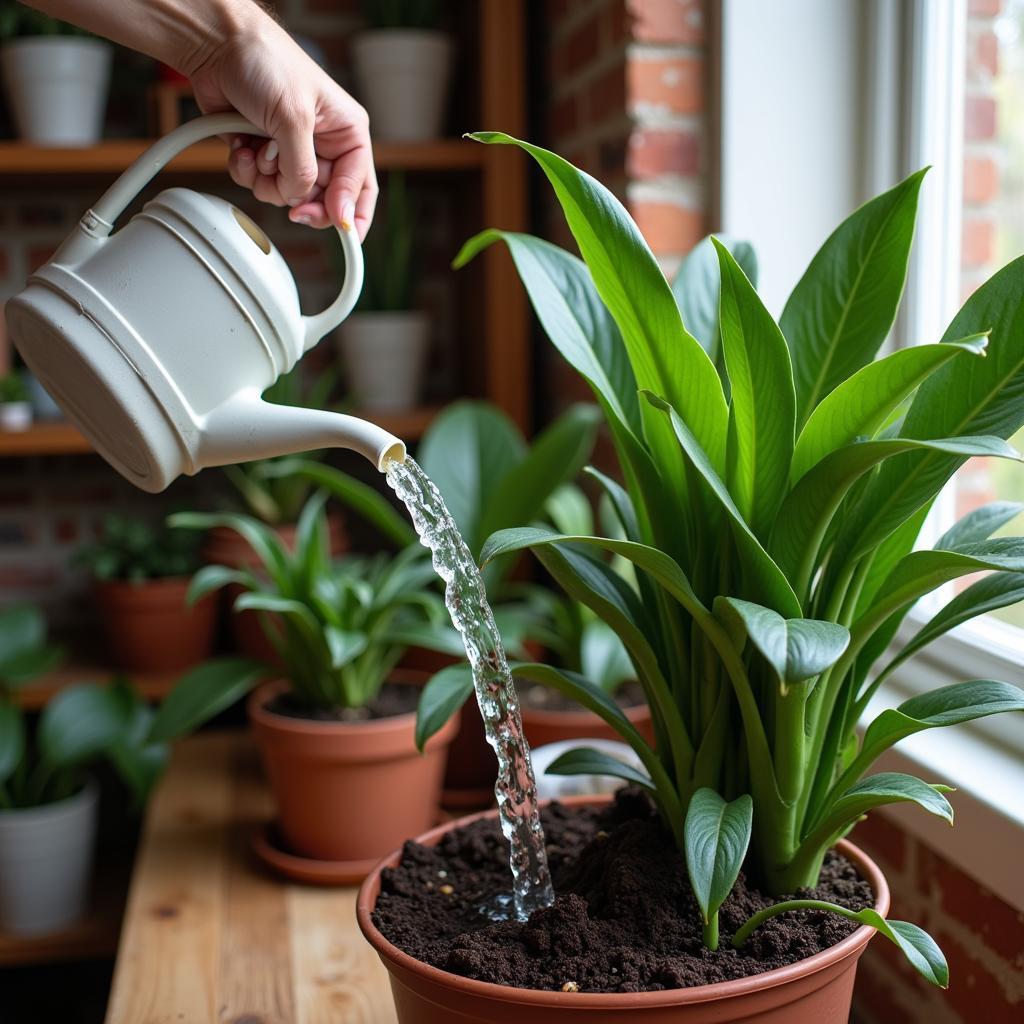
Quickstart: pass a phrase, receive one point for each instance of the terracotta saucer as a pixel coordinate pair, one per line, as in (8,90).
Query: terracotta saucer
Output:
(266,843)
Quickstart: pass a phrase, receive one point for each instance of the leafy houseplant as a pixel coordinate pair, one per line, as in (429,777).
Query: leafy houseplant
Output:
(141,575)
(402,68)
(15,406)
(384,344)
(47,801)
(339,628)
(56,77)
(773,531)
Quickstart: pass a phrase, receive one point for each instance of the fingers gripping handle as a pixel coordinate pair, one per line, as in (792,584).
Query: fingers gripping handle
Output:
(99,221)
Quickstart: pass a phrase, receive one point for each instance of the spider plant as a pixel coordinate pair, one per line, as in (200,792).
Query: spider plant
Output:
(772,524)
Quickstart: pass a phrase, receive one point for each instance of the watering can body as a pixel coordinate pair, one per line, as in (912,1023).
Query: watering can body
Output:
(158,339)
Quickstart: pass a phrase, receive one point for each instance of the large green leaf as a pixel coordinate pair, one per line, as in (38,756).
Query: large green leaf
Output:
(763,403)
(202,693)
(261,538)
(964,397)
(767,581)
(12,738)
(213,577)
(803,520)
(467,452)
(796,649)
(22,628)
(665,358)
(573,316)
(949,705)
(556,457)
(444,694)
(861,404)
(843,307)
(80,722)
(697,284)
(717,836)
(876,791)
(588,761)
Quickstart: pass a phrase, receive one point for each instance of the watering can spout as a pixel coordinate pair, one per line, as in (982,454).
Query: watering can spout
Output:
(247,428)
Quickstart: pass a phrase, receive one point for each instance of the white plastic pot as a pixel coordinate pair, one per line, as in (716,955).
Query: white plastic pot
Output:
(384,356)
(15,416)
(46,856)
(57,87)
(402,76)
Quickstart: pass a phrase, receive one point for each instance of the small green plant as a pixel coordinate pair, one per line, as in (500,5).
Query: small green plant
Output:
(776,477)
(276,498)
(339,626)
(18,20)
(422,14)
(83,724)
(134,550)
(12,388)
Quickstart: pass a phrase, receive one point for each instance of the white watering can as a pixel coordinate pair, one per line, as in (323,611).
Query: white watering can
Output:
(158,340)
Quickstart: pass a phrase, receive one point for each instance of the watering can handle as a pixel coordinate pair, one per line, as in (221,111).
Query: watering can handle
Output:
(99,221)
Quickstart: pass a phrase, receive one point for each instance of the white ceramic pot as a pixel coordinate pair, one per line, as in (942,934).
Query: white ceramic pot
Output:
(46,856)
(57,87)
(402,77)
(15,416)
(384,356)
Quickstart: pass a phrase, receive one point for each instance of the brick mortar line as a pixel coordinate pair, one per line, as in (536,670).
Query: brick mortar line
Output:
(646,53)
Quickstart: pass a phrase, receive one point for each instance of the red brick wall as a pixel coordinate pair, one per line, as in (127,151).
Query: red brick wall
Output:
(982,937)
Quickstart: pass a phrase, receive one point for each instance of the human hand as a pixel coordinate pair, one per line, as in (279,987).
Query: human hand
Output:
(318,159)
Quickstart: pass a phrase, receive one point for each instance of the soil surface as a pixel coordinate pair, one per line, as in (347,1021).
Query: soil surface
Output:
(624,919)
(394,699)
(543,698)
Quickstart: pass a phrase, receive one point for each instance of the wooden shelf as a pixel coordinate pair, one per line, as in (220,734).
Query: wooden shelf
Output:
(65,439)
(210,157)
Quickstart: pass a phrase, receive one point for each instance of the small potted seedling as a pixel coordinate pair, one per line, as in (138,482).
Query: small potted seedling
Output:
(48,799)
(384,343)
(57,77)
(403,67)
(775,478)
(335,726)
(141,575)
(15,406)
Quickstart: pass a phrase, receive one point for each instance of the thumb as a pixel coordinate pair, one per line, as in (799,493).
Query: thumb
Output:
(296,162)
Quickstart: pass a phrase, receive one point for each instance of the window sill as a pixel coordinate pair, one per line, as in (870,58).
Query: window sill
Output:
(982,760)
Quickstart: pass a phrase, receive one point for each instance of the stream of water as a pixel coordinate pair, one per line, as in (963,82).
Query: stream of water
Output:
(466,599)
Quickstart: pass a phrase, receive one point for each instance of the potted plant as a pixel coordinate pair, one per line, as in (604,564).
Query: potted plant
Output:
(773,538)
(276,499)
(336,729)
(15,407)
(403,67)
(56,75)
(48,799)
(383,345)
(141,574)
(492,478)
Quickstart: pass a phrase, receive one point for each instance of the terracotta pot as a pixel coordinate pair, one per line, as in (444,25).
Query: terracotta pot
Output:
(552,726)
(225,547)
(817,990)
(149,626)
(348,791)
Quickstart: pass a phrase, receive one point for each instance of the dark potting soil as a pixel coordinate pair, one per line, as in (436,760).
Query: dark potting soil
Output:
(543,698)
(394,699)
(624,919)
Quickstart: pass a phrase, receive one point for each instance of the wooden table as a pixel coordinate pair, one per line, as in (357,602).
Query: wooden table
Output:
(212,937)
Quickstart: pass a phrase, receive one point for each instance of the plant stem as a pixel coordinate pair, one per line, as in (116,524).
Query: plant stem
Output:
(755,921)
(710,934)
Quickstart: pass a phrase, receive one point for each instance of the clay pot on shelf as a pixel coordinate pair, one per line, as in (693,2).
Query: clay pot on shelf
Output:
(57,87)
(552,726)
(46,856)
(226,547)
(150,627)
(817,990)
(402,78)
(347,792)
